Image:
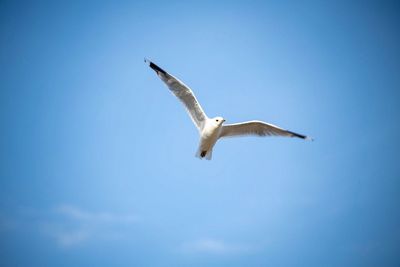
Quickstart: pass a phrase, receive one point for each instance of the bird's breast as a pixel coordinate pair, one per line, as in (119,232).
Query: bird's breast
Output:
(209,137)
(210,132)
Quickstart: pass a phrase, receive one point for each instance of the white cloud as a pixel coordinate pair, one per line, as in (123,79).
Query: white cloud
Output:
(213,246)
(69,238)
(72,226)
(78,214)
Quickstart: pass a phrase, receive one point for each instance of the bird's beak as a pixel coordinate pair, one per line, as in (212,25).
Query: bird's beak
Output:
(223,120)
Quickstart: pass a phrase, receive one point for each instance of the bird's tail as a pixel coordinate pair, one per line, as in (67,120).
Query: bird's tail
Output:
(201,154)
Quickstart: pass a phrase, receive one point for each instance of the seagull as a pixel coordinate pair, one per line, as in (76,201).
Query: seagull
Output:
(212,129)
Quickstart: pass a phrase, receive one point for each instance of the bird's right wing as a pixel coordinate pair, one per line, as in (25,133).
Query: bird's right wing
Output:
(259,128)
(183,93)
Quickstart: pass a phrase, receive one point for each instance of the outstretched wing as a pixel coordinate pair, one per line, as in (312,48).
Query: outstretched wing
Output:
(183,93)
(258,128)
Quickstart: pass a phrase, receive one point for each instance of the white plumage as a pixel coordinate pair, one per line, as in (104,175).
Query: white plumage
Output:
(211,129)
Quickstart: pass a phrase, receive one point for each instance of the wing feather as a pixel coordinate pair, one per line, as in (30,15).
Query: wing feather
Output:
(258,128)
(183,93)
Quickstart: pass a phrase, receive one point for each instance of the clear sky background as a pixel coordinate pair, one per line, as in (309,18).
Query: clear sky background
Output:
(97,156)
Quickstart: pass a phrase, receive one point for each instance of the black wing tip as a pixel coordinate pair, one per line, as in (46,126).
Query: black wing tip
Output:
(155,67)
(300,136)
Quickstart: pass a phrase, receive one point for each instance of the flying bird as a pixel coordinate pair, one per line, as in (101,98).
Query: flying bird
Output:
(212,129)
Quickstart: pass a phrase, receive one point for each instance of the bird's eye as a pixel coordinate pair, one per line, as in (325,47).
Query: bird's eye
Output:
(217,120)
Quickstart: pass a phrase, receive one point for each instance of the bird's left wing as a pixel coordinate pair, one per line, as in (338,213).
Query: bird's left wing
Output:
(258,128)
(183,93)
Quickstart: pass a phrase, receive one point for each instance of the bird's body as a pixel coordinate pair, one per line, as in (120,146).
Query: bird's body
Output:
(212,129)
(209,136)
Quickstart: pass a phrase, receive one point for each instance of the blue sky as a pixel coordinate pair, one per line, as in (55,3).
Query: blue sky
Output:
(97,157)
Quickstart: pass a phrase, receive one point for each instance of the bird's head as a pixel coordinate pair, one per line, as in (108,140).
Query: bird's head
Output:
(218,121)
